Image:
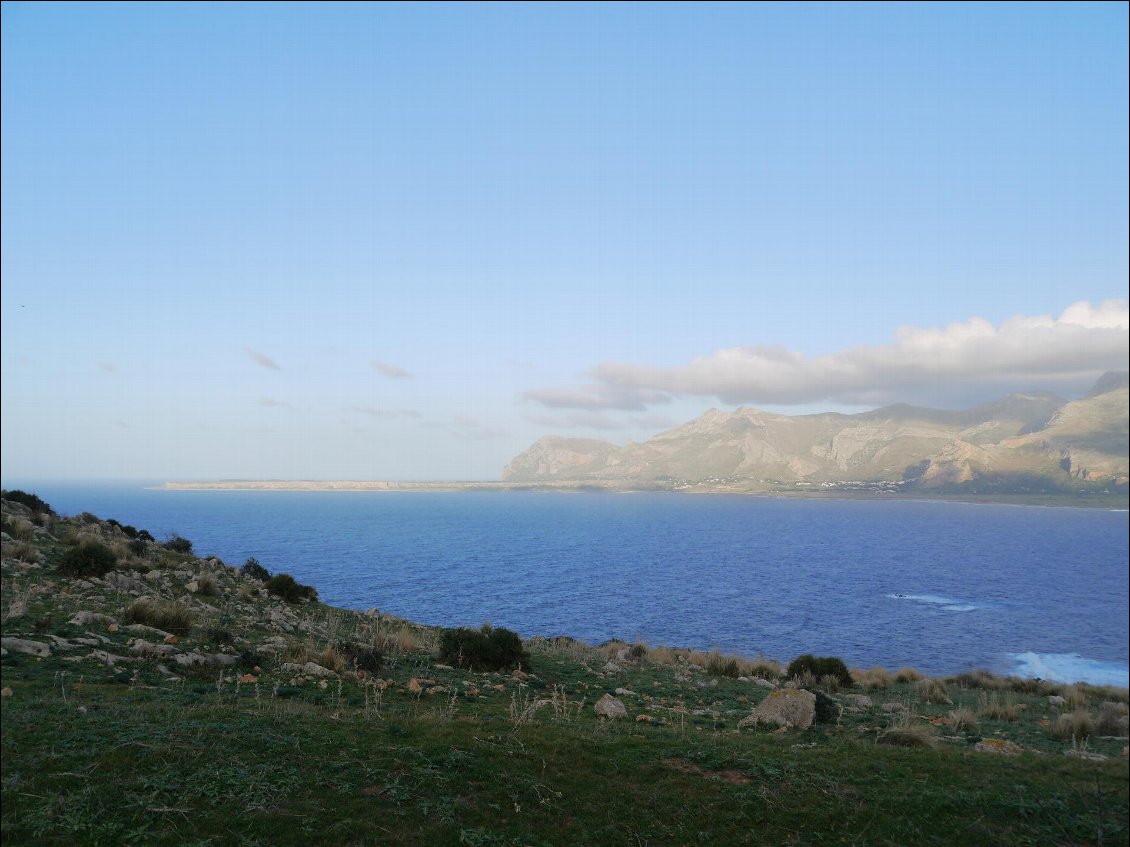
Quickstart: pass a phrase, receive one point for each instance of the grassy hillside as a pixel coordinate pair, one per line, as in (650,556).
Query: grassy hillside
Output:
(176,700)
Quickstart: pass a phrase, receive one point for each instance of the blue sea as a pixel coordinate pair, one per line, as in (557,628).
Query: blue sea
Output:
(941,586)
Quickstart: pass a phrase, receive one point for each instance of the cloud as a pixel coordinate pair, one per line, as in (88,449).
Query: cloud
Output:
(391,371)
(272,403)
(108,367)
(595,420)
(386,414)
(465,427)
(964,362)
(261,359)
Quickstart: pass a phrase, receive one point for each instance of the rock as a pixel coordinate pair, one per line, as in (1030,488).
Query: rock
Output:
(1056,701)
(414,686)
(611,667)
(22,645)
(310,668)
(764,683)
(621,692)
(998,747)
(860,701)
(190,660)
(784,708)
(110,659)
(893,707)
(121,582)
(248,678)
(645,719)
(472,692)
(500,688)
(151,631)
(141,647)
(439,689)
(170,639)
(112,628)
(611,708)
(520,675)
(5,692)
(440,667)
(90,619)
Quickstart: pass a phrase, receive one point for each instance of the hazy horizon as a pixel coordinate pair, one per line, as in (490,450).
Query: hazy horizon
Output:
(403,242)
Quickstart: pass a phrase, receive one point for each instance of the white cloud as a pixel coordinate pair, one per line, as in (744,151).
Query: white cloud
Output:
(386,414)
(961,363)
(391,371)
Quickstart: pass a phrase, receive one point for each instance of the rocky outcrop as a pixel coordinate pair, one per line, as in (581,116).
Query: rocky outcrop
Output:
(792,708)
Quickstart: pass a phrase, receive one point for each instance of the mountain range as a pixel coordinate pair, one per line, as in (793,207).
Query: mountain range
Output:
(1027,442)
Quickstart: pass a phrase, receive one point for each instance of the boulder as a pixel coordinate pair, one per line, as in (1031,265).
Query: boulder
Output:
(1056,701)
(310,669)
(611,708)
(859,701)
(785,707)
(121,582)
(141,647)
(998,747)
(763,683)
(23,645)
(90,619)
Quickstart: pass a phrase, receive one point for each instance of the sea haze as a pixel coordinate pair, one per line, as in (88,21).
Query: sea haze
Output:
(943,587)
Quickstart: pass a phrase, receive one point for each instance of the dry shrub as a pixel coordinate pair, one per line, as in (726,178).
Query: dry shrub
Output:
(1076,696)
(980,678)
(22,529)
(661,656)
(1075,725)
(208,586)
(121,550)
(25,552)
(805,679)
(170,617)
(331,658)
(907,675)
(873,678)
(830,683)
(997,708)
(406,640)
(933,691)
(963,720)
(1112,719)
(1029,685)
(765,668)
(908,732)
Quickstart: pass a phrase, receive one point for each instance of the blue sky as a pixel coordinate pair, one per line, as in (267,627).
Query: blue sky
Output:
(403,242)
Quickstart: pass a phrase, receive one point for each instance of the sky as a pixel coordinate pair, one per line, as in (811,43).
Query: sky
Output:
(405,241)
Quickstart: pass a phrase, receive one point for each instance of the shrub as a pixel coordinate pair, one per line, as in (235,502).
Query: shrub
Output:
(219,635)
(1112,719)
(145,535)
(87,558)
(25,552)
(126,529)
(362,657)
(21,530)
(207,586)
(170,617)
(289,589)
(873,678)
(253,569)
(820,666)
(910,735)
(963,720)
(907,675)
(996,708)
(178,544)
(138,547)
(486,649)
(638,650)
(36,504)
(722,666)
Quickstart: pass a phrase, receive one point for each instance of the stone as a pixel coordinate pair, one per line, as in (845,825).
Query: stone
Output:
(110,659)
(414,686)
(5,692)
(141,647)
(248,678)
(1086,755)
(90,619)
(310,668)
(500,688)
(150,631)
(611,667)
(112,628)
(22,645)
(859,701)
(1056,701)
(763,683)
(998,747)
(170,639)
(792,707)
(472,692)
(893,707)
(121,582)
(520,675)
(611,708)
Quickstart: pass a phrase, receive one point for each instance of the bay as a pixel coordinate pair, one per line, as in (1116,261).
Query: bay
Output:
(940,586)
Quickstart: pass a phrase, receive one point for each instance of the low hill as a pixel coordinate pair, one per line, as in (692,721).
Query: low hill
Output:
(1026,441)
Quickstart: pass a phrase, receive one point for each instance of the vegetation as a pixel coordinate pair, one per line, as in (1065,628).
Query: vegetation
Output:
(820,666)
(87,558)
(37,504)
(486,649)
(288,588)
(253,569)
(268,722)
(178,544)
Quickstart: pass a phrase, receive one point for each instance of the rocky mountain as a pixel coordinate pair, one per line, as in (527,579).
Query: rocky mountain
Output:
(1019,437)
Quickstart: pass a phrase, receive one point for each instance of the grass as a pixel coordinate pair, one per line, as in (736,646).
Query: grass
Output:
(247,753)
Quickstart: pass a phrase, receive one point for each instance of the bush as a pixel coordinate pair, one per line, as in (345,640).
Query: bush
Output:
(126,529)
(933,691)
(170,617)
(288,588)
(253,569)
(178,544)
(486,649)
(362,657)
(145,535)
(36,504)
(722,666)
(88,558)
(138,547)
(820,666)
(207,586)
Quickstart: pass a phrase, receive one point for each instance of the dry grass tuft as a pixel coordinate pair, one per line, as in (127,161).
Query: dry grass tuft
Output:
(1075,725)
(873,678)
(1112,719)
(1076,696)
(997,708)
(933,691)
(170,617)
(907,675)
(24,552)
(22,529)
(907,731)
(963,720)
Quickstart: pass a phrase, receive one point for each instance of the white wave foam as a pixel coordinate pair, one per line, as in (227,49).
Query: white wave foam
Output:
(1071,667)
(948,604)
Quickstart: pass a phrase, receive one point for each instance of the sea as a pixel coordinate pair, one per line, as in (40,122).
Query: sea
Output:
(943,587)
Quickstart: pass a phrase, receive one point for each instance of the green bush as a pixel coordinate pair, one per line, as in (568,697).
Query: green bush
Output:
(138,547)
(145,535)
(288,588)
(721,666)
(486,649)
(90,558)
(255,570)
(820,666)
(178,544)
(36,504)
(128,530)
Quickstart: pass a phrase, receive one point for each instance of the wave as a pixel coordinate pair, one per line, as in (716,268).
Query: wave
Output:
(1071,667)
(948,604)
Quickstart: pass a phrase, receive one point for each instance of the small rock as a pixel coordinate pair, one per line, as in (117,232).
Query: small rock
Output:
(500,688)
(893,707)
(620,692)
(414,686)
(1056,701)
(1086,755)
(248,678)
(860,701)
(998,747)
(611,667)
(763,683)
(5,692)
(141,647)
(90,618)
(472,692)
(645,719)
(170,639)
(440,667)
(112,628)
(611,708)
(520,675)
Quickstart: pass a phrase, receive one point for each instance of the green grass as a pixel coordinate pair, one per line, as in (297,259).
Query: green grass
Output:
(94,754)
